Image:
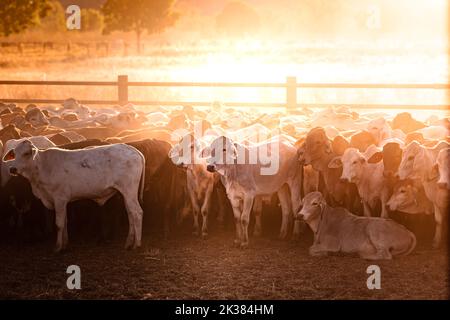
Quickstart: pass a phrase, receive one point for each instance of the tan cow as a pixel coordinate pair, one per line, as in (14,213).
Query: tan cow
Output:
(338,230)
(417,164)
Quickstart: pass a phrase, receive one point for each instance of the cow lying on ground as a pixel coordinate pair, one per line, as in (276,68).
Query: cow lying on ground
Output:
(338,230)
(96,173)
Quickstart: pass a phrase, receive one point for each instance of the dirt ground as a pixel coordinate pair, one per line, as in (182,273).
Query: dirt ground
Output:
(190,268)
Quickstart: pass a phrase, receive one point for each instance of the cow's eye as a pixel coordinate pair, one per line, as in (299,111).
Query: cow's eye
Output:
(224,150)
(27,154)
(410,158)
(402,191)
(355,162)
(314,203)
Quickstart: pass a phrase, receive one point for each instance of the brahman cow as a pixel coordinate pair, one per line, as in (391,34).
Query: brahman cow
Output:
(262,169)
(338,230)
(200,182)
(368,178)
(417,164)
(59,176)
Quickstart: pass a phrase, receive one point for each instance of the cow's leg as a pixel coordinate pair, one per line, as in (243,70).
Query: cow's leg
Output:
(205,209)
(196,212)
(61,224)
(257,209)
(316,250)
(235,204)
(136,213)
(384,199)
(283,196)
(245,219)
(367,210)
(222,199)
(296,192)
(438,218)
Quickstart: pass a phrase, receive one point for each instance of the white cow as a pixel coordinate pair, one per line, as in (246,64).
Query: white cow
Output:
(338,230)
(59,176)
(417,164)
(262,169)
(441,168)
(368,178)
(200,182)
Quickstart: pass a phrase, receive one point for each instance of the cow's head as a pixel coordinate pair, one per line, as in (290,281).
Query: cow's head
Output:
(391,156)
(221,152)
(20,158)
(317,145)
(404,197)
(185,151)
(413,161)
(9,132)
(352,163)
(440,169)
(36,118)
(313,205)
(362,140)
(379,129)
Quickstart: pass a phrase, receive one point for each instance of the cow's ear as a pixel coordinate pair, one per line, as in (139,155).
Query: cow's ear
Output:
(1,147)
(434,173)
(173,152)
(336,162)
(376,157)
(9,156)
(206,152)
(339,145)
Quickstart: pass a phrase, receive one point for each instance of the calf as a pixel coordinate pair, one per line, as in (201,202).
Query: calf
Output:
(96,173)
(441,169)
(368,179)
(200,182)
(318,152)
(337,230)
(244,179)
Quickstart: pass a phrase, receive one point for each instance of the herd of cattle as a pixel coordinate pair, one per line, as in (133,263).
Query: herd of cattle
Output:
(344,174)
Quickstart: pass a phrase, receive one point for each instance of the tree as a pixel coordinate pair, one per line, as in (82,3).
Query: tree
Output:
(92,20)
(55,20)
(139,16)
(237,19)
(18,15)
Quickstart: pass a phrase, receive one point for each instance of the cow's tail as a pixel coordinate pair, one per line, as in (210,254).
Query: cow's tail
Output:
(142,183)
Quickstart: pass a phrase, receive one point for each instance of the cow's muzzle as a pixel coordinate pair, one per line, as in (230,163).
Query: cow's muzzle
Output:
(211,168)
(13,171)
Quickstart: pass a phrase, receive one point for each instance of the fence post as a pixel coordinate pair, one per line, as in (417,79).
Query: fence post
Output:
(122,89)
(291,93)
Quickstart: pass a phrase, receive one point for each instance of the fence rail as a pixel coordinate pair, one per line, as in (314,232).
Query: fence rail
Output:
(291,87)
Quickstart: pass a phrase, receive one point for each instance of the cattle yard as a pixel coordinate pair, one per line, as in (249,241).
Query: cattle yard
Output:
(116,103)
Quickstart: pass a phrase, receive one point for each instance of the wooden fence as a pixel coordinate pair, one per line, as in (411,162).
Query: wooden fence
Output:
(291,88)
